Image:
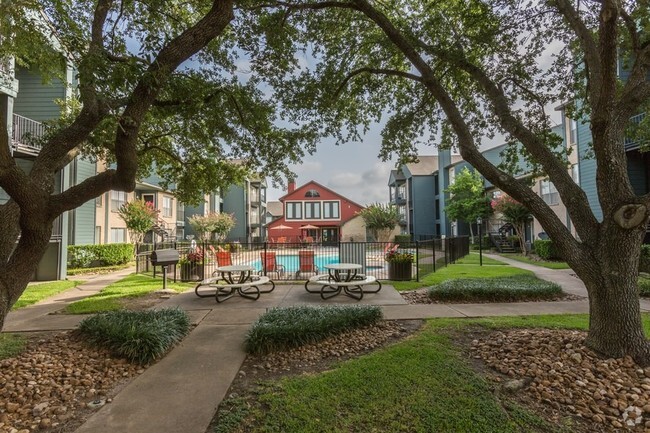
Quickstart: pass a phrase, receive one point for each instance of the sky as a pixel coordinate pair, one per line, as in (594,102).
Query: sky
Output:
(353,169)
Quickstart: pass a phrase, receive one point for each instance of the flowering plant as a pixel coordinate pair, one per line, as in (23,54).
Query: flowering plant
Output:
(393,255)
(193,256)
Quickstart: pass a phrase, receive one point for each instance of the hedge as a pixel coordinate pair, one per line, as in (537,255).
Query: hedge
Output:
(85,256)
(545,249)
(284,328)
(402,239)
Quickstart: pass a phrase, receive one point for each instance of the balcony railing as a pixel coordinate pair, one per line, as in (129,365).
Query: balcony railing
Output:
(25,134)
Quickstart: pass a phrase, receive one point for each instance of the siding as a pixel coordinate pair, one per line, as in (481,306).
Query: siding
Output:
(82,219)
(234,202)
(587,167)
(424,218)
(35,99)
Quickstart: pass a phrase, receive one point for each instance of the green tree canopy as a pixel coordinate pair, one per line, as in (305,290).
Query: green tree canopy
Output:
(381,220)
(467,199)
(458,72)
(139,217)
(214,223)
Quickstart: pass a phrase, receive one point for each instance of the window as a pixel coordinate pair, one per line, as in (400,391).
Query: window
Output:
(167,206)
(575,173)
(98,234)
(149,198)
(294,211)
(99,201)
(312,210)
(118,198)
(437,209)
(574,131)
(436,186)
(312,193)
(331,210)
(118,235)
(549,193)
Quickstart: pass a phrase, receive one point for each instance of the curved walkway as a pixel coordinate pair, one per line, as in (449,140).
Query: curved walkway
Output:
(181,392)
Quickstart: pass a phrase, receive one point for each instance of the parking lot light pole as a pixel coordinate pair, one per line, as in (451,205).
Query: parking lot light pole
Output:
(479,222)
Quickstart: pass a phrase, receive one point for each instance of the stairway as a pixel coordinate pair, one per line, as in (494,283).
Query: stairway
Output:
(501,242)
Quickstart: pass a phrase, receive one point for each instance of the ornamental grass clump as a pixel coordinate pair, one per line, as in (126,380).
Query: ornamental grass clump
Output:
(503,289)
(139,336)
(284,328)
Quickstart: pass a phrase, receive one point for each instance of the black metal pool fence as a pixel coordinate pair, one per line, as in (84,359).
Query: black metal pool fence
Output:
(299,261)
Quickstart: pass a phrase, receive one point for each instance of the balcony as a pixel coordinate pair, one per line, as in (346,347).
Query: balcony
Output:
(631,143)
(25,134)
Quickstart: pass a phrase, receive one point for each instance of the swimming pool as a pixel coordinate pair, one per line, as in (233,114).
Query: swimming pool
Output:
(291,263)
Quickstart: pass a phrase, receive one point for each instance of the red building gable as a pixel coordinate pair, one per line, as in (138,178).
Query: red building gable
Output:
(313,211)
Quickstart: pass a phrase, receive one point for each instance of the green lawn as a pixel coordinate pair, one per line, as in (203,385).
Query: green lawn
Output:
(474,258)
(543,263)
(468,267)
(11,345)
(422,384)
(133,285)
(37,292)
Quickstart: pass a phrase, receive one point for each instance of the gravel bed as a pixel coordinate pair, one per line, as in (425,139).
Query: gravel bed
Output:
(56,383)
(420,296)
(553,369)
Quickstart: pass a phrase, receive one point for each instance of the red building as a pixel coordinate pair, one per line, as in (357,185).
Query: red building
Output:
(312,211)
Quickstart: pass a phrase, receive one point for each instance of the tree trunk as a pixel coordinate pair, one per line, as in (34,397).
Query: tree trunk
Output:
(471,232)
(521,233)
(611,277)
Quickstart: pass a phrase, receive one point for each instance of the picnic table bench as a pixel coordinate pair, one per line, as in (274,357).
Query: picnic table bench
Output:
(330,286)
(227,281)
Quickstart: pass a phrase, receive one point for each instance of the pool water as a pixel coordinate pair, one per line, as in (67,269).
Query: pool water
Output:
(291,263)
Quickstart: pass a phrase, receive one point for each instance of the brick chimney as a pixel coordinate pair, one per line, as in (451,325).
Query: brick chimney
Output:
(291,186)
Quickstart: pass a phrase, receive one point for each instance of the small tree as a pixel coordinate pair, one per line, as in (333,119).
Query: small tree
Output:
(467,201)
(514,213)
(140,217)
(218,223)
(381,220)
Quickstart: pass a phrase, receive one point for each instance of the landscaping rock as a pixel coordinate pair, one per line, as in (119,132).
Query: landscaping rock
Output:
(568,377)
(50,383)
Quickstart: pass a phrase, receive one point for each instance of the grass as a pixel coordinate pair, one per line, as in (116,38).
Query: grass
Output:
(462,270)
(474,258)
(422,384)
(99,270)
(37,292)
(544,263)
(11,345)
(132,286)
(501,289)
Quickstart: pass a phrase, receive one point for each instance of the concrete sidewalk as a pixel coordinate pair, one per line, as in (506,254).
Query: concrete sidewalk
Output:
(181,392)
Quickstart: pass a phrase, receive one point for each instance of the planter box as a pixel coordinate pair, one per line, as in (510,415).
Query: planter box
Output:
(191,272)
(400,271)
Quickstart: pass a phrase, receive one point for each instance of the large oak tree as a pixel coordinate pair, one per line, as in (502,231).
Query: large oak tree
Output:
(458,71)
(159,87)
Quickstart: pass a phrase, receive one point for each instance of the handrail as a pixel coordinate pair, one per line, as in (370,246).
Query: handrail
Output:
(25,131)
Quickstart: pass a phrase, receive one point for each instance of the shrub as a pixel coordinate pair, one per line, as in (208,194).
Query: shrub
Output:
(139,336)
(545,249)
(402,239)
(644,286)
(284,328)
(645,250)
(503,289)
(83,256)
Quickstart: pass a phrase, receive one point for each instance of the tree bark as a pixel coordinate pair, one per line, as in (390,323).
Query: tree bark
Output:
(610,275)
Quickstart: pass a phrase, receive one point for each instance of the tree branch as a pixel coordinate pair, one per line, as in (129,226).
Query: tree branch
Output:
(369,70)
(468,147)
